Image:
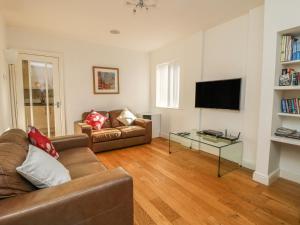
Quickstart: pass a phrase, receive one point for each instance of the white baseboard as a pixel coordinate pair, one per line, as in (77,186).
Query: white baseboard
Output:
(290,176)
(248,164)
(266,179)
(164,135)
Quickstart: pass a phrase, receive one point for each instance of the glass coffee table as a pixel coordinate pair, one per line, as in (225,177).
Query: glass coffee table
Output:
(228,152)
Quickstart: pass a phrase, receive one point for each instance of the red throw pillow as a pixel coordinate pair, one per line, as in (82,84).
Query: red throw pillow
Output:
(95,119)
(39,140)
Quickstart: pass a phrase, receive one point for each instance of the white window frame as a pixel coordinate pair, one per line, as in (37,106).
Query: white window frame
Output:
(171,98)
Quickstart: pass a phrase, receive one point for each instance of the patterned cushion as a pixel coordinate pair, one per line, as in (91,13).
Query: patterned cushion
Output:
(11,183)
(96,120)
(107,134)
(132,131)
(39,140)
(106,124)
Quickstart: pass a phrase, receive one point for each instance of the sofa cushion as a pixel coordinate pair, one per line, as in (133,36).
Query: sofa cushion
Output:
(42,170)
(77,155)
(38,139)
(106,124)
(113,115)
(12,183)
(107,134)
(126,117)
(96,120)
(83,169)
(16,136)
(131,131)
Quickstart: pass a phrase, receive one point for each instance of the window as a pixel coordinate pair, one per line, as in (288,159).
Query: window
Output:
(167,85)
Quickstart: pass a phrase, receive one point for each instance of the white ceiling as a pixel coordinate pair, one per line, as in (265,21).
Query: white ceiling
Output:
(91,20)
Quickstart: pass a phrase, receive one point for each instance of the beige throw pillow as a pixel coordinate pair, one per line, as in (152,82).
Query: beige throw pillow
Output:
(126,117)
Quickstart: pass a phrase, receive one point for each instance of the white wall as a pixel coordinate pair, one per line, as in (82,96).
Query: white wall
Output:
(233,50)
(5,119)
(189,54)
(272,161)
(230,50)
(79,57)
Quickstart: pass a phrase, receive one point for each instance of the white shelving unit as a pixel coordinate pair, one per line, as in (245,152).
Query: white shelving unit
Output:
(290,62)
(289,115)
(280,119)
(284,140)
(287,88)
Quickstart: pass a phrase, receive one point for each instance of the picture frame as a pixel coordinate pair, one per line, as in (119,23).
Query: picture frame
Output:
(106,80)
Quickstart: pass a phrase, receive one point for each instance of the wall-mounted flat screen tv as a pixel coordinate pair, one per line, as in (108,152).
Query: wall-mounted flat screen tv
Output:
(219,94)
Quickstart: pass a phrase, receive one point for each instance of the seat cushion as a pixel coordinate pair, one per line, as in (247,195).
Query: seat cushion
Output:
(76,155)
(107,134)
(11,183)
(132,131)
(83,169)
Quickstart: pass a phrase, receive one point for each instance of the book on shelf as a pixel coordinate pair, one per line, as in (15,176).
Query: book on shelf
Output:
(290,48)
(291,105)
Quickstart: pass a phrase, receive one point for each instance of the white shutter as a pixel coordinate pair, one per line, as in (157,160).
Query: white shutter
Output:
(167,85)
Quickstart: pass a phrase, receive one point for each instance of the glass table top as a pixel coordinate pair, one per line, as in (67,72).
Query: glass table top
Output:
(217,142)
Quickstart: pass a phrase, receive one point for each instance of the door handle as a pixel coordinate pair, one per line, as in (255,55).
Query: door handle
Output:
(57,104)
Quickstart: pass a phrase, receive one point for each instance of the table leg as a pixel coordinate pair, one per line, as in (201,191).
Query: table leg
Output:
(169,143)
(219,163)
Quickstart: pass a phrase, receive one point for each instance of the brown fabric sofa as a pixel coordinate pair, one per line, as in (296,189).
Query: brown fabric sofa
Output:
(114,134)
(94,196)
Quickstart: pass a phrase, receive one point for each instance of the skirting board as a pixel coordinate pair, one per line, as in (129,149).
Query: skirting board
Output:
(266,179)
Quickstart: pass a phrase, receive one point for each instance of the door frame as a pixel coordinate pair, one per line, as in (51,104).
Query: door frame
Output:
(60,58)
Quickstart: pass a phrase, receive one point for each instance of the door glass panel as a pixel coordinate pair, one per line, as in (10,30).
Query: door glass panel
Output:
(38,96)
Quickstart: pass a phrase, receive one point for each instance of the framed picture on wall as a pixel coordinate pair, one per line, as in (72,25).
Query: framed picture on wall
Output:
(106,80)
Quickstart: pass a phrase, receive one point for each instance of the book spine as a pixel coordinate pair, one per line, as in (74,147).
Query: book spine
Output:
(290,48)
(296,106)
(298,50)
(290,106)
(286,49)
(282,106)
(282,55)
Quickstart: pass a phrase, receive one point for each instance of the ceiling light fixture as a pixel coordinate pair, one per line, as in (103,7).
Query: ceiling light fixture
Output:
(115,32)
(141,4)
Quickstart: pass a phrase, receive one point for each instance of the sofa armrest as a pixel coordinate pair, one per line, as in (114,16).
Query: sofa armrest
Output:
(105,198)
(147,124)
(83,128)
(70,141)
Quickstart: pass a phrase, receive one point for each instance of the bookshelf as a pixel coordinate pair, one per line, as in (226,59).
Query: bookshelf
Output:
(287,88)
(280,118)
(289,115)
(291,62)
(284,140)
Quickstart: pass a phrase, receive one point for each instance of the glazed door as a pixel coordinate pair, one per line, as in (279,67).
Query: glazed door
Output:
(39,97)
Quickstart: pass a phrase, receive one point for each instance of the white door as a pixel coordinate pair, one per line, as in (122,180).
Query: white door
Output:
(39,94)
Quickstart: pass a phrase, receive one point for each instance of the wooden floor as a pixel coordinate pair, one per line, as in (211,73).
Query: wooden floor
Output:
(182,188)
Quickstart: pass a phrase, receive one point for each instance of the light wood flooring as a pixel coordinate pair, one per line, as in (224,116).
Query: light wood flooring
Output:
(182,189)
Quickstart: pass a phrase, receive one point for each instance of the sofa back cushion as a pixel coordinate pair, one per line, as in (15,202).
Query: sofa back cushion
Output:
(16,136)
(107,123)
(11,183)
(113,115)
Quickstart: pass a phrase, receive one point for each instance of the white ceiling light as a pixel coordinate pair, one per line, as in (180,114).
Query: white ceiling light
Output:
(114,31)
(141,4)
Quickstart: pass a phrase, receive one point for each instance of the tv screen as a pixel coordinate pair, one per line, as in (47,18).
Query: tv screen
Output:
(220,94)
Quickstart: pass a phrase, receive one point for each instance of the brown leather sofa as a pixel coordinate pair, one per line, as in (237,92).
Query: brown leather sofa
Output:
(114,134)
(94,196)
